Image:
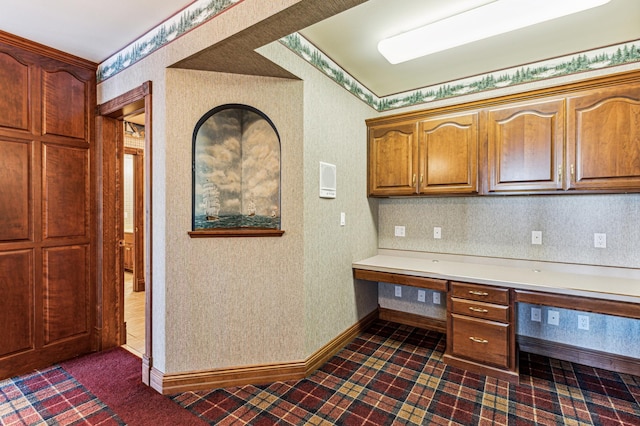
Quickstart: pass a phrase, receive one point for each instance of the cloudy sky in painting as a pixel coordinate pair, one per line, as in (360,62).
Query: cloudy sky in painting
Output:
(239,152)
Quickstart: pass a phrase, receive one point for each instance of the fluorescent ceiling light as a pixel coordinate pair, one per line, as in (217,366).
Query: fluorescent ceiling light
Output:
(495,18)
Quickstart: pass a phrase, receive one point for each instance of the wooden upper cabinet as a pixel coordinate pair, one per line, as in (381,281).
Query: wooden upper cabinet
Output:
(525,144)
(393,159)
(14,93)
(449,155)
(603,139)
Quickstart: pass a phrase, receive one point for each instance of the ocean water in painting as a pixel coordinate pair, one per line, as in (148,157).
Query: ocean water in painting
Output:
(237,221)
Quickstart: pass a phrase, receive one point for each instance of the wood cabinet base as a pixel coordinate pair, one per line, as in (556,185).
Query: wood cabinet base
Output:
(512,376)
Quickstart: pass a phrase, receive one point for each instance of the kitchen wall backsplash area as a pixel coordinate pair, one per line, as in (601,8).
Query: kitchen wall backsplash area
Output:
(502,226)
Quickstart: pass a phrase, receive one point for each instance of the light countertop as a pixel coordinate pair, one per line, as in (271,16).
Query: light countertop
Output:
(621,284)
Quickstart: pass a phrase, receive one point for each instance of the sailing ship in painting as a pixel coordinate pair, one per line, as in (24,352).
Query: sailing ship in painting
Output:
(211,201)
(251,209)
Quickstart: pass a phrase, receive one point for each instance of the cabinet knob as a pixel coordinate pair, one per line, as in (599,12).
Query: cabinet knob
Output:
(472,309)
(478,340)
(478,293)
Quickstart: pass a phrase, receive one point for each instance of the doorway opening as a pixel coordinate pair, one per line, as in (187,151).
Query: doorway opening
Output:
(133,227)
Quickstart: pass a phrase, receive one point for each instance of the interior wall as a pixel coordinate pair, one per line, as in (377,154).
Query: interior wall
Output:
(233,301)
(335,133)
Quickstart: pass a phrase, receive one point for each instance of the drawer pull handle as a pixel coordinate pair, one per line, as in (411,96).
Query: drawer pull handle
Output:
(478,340)
(483,311)
(478,293)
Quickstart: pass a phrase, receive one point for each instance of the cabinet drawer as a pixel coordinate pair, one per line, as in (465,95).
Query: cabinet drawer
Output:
(480,309)
(479,340)
(482,293)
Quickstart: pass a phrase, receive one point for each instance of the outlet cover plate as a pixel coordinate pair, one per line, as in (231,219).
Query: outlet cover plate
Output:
(399,231)
(398,291)
(536,237)
(553,318)
(536,314)
(583,322)
(600,240)
(436,298)
(437,232)
(422,296)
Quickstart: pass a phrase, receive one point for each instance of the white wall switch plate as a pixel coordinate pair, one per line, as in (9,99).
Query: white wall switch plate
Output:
(343,219)
(536,237)
(600,240)
(398,291)
(421,295)
(553,318)
(399,231)
(436,298)
(437,232)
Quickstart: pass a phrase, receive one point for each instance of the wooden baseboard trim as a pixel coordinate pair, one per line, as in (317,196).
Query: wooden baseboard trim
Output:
(413,320)
(258,374)
(590,357)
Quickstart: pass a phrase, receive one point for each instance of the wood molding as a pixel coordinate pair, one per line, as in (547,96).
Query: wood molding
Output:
(578,303)
(47,51)
(413,320)
(256,374)
(393,278)
(590,357)
(236,232)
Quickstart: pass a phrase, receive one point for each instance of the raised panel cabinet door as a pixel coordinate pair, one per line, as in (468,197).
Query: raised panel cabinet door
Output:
(393,159)
(14,93)
(525,145)
(603,139)
(15,191)
(64,105)
(449,154)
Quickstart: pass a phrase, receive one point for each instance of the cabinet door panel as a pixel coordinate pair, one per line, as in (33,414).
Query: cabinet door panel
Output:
(603,139)
(14,93)
(392,160)
(448,154)
(525,147)
(15,197)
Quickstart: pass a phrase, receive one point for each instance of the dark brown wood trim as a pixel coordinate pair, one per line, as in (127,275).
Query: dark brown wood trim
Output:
(323,354)
(590,357)
(127,103)
(578,303)
(256,374)
(242,232)
(413,320)
(47,51)
(411,280)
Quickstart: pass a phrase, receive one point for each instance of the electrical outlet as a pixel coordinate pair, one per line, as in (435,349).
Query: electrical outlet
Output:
(536,237)
(436,298)
(398,291)
(399,231)
(437,232)
(583,322)
(553,318)
(600,240)
(422,296)
(536,314)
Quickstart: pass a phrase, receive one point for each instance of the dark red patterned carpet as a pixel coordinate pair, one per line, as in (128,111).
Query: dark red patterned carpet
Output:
(389,375)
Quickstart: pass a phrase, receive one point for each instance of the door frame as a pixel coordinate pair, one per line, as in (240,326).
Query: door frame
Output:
(138,217)
(112,326)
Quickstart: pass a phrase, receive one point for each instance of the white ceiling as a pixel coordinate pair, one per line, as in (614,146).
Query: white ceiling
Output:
(90,29)
(96,30)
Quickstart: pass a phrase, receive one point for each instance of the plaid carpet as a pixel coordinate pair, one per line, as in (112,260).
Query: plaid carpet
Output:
(393,375)
(389,375)
(51,397)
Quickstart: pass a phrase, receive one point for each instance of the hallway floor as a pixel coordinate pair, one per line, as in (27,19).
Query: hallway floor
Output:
(134,316)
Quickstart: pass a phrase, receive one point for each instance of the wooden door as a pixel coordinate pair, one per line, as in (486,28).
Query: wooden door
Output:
(603,138)
(47,209)
(449,155)
(525,146)
(393,159)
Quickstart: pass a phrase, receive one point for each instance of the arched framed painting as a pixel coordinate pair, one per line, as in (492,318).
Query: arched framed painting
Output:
(236,174)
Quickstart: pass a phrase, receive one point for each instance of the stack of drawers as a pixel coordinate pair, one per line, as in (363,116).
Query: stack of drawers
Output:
(480,330)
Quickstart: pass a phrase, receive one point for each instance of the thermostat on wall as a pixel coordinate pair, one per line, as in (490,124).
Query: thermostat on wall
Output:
(327,180)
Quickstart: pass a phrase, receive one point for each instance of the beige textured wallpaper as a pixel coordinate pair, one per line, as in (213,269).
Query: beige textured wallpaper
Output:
(501,227)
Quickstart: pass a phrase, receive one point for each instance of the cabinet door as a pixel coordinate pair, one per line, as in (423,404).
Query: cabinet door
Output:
(525,146)
(603,139)
(449,155)
(393,159)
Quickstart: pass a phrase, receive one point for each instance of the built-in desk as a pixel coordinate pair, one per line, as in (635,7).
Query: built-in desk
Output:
(482,293)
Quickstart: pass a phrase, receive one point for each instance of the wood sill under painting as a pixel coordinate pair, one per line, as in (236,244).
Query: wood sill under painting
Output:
(236,174)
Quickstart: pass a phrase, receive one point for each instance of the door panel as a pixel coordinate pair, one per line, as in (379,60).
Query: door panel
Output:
(66,191)
(66,296)
(16,288)
(14,102)
(15,175)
